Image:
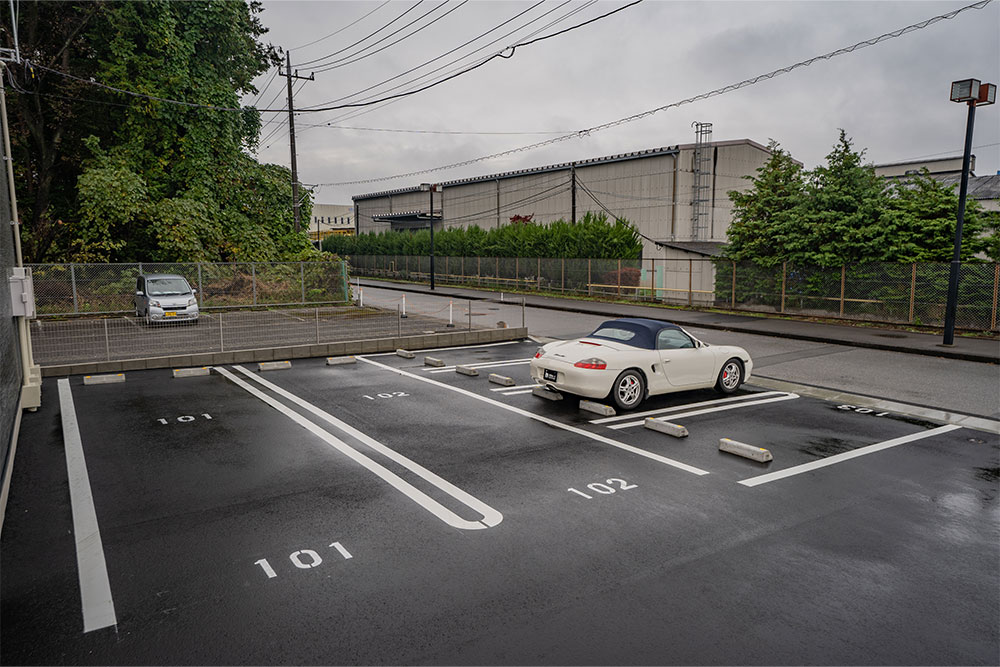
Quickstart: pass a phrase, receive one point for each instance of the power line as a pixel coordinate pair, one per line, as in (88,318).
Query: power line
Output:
(452,132)
(347,61)
(426,75)
(713,93)
(424,64)
(366,37)
(337,32)
(155,98)
(503,54)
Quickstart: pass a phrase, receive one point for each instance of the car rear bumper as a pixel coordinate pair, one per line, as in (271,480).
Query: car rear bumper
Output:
(587,382)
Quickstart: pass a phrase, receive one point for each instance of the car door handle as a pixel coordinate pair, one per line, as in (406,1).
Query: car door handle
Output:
(665,361)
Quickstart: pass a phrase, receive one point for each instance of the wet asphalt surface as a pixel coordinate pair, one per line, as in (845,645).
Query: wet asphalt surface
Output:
(888,558)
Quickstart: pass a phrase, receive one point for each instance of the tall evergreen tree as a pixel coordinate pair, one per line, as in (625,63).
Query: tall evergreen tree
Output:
(766,224)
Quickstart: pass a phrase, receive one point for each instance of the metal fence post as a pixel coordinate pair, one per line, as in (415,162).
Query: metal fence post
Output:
(994,308)
(652,279)
(72,277)
(784,273)
(107,342)
(996,293)
(344,281)
(913,290)
(589,281)
(517,271)
(479,273)
(317,325)
(201,292)
(538,273)
(302,273)
(619,278)
(690,281)
(222,344)
(843,280)
(470,314)
(732,303)
(563,273)
(253,280)
(399,323)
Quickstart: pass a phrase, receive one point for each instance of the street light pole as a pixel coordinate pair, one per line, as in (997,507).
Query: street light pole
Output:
(430,188)
(432,236)
(972,92)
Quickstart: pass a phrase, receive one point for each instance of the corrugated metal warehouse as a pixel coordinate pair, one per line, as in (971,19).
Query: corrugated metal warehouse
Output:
(675,196)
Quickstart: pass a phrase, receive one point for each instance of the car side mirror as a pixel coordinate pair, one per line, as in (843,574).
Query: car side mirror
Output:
(194,290)
(139,293)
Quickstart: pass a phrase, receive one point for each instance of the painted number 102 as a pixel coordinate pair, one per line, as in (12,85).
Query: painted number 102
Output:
(605,489)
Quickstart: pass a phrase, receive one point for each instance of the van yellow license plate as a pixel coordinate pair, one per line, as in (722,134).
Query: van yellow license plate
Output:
(170,313)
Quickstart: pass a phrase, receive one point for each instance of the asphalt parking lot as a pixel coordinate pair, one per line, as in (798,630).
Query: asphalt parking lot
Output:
(390,512)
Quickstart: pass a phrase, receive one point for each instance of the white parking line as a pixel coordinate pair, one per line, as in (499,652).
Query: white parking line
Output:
(453,347)
(717,401)
(95,589)
(491,517)
(482,364)
(544,420)
(838,458)
(720,408)
(522,391)
(521,386)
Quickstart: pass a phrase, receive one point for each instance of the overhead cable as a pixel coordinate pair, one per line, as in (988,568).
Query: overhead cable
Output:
(363,39)
(343,62)
(712,93)
(337,32)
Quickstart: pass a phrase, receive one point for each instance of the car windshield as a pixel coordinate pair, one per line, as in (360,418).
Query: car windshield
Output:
(614,333)
(167,286)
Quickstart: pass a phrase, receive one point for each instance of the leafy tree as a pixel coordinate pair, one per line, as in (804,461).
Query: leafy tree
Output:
(841,209)
(842,213)
(132,178)
(919,223)
(766,217)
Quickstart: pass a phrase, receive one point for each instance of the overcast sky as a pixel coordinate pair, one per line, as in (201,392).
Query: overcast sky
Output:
(891,98)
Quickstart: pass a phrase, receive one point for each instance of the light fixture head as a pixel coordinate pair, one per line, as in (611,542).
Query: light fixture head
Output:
(966,90)
(987,94)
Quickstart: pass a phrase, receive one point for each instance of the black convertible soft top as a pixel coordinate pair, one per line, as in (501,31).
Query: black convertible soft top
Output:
(644,330)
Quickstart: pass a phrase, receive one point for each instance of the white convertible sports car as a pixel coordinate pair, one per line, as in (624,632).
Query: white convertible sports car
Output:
(628,359)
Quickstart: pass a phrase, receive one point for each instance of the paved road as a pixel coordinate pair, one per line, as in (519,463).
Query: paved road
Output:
(949,384)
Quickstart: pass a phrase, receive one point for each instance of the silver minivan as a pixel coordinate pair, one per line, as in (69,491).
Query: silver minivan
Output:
(165,297)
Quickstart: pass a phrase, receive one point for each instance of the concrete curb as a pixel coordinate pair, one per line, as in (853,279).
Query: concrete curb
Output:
(344,348)
(661,426)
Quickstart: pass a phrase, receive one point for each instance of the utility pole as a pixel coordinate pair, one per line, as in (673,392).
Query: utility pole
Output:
(291,134)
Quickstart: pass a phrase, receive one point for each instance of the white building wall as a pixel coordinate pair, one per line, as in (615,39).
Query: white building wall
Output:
(653,192)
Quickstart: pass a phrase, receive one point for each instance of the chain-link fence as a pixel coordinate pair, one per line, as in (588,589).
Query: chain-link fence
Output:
(874,291)
(75,340)
(64,289)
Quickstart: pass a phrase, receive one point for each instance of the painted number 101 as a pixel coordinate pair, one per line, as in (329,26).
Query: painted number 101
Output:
(303,559)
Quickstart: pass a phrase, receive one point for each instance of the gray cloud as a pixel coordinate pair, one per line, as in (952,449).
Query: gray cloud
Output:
(892,97)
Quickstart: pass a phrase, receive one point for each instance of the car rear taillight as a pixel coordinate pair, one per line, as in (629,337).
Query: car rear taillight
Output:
(539,352)
(593,362)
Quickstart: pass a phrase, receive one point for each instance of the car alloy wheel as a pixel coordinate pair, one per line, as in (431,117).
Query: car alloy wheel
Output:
(629,389)
(730,377)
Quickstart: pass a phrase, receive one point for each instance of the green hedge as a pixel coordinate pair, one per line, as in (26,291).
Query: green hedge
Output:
(593,236)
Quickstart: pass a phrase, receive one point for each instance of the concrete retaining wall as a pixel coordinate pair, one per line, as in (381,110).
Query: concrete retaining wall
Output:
(370,346)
